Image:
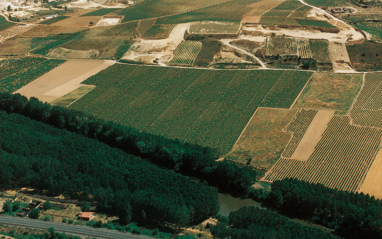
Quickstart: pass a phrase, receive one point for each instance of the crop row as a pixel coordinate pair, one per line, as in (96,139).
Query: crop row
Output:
(340,160)
(205,106)
(366,110)
(281,46)
(40,31)
(303,48)
(298,127)
(186,53)
(21,78)
(14,65)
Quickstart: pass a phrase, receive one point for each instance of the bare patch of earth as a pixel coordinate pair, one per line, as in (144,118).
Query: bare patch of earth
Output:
(64,53)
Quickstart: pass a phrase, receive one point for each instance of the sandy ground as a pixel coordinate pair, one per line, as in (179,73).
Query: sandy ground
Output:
(373,182)
(148,50)
(339,56)
(313,135)
(64,53)
(63,79)
(108,21)
(85,4)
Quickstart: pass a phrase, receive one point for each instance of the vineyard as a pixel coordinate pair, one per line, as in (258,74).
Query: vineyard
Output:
(53,20)
(40,31)
(320,50)
(17,73)
(281,46)
(367,109)
(204,106)
(159,31)
(340,160)
(303,48)
(101,12)
(186,53)
(314,23)
(298,127)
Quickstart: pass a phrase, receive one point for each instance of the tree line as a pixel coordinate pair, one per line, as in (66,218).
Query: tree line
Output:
(252,222)
(39,156)
(352,215)
(185,158)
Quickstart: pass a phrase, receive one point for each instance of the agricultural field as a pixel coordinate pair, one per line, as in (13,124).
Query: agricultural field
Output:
(367,109)
(303,48)
(125,29)
(186,53)
(284,9)
(332,91)
(215,28)
(230,11)
(191,105)
(100,12)
(372,183)
(17,73)
(320,50)
(158,31)
(366,56)
(264,138)
(40,31)
(4,23)
(72,96)
(281,46)
(153,9)
(314,23)
(374,28)
(54,20)
(340,160)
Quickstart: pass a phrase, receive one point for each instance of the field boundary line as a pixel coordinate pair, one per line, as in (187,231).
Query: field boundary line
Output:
(80,96)
(302,90)
(246,126)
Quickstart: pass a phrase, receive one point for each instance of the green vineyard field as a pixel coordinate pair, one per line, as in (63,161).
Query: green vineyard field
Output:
(340,160)
(186,53)
(210,107)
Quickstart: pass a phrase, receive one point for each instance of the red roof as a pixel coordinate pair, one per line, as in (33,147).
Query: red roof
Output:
(86,215)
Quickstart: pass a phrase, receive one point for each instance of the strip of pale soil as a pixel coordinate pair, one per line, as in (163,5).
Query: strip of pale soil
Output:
(339,56)
(313,135)
(372,184)
(63,79)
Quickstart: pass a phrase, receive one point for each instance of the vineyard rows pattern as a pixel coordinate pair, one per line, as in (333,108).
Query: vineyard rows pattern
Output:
(186,53)
(298,127)
(340,160)
(367,110)
(205,106)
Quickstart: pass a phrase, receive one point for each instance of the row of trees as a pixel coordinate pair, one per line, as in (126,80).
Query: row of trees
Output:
(352,215)
(252,222)
(36,155)
(187,159)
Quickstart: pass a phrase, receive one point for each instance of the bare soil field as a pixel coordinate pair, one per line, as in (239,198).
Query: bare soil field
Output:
(63,79)
(15,46)
(372,183)
(14,31)
(73,54)
(313,135)
(339,56)
(258,9)
(263,140)
(108,21)
(330,91)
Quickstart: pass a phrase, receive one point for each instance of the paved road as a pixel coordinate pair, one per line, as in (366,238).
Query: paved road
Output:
(68,228)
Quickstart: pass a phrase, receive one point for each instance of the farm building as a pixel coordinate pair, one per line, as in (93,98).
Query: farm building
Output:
(86,216)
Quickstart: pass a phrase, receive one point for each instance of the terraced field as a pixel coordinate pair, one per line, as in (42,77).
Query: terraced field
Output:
(186,53)
(209,107)
(340,160)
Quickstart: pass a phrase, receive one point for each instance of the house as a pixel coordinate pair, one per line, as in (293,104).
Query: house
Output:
(86,216)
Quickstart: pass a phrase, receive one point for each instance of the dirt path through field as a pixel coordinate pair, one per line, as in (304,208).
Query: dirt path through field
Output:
(339,57)
(63,79)
(227,42)
(373,182)
(313,135)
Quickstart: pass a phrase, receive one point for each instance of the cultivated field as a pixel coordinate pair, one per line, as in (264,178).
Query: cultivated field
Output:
(15,73)
(215,28)
(63,79)
(205,106)
(281,46)
(40,31)
(186,53)
(263,140)
(54,20)
(4,23)
(367,110)
(100,12)
(330,91)
(320,50)
(372,183)
(340,160)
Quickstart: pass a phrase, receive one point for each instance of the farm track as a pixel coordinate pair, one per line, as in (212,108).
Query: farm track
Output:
(263,66)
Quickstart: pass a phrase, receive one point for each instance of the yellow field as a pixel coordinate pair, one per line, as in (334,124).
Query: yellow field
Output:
(373,182)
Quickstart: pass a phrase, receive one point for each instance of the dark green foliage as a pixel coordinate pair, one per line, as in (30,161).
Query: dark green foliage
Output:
(34,213)
(188,159)
(8,207)
(4,23)
(352,215)
(314,23)
(47,205)
(39,156)
(51,234)
(252,222)
(85,206)
(210,47)
(123,48)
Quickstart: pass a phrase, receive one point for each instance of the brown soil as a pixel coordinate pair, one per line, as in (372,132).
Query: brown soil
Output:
(78,21)
(372,184)
(73,54)
(15,46)
(63,79)
(339,57)
(313,135)
(263,140)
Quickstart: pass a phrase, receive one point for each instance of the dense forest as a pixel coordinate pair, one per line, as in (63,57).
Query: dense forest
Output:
(187,159)
(36,155)
(252,222)
(352,215)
